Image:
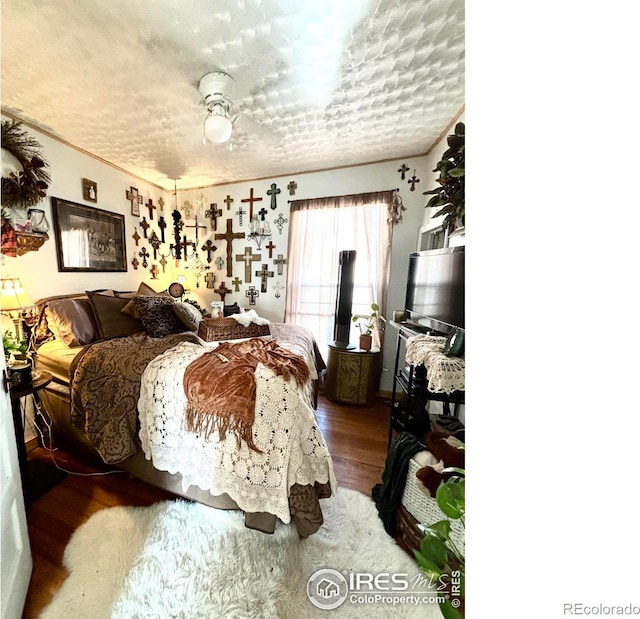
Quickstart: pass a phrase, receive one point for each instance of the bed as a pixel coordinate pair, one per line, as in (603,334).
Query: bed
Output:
(121,363)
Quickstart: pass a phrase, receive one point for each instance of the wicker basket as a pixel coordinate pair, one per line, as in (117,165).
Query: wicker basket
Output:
(214,329)
(425,508)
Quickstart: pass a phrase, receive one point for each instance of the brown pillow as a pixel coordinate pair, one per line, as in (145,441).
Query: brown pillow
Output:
(109,317)
(157,315)
(143,290)
(72,321)
(216,329)
(189,315)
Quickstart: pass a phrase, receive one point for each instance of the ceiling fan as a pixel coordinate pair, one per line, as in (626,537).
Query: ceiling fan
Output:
(218,90)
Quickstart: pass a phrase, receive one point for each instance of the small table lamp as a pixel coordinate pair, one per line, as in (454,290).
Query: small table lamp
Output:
(14,301)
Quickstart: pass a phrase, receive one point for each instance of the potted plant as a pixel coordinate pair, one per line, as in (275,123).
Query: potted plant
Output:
(449,196)
(438,557)
(13,347)
(367,323)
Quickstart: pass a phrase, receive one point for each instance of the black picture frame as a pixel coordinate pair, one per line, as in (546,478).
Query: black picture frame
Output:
(88,238)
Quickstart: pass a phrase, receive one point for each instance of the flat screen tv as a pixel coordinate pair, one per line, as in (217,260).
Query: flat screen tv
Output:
(435,285)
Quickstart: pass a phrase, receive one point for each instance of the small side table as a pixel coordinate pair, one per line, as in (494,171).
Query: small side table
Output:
(40,382)
(352,375)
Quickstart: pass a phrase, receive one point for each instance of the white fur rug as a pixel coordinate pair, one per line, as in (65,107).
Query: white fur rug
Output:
(181,559)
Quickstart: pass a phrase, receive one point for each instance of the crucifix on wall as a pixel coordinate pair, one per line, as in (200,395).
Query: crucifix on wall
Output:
(152,207)
(248,257)
(222,290)
(213,213)
(273,192)
(210,248)
(264,273)
(210,279)
(228,236)
(252,293)
(228,200)
(280,262)
(196,226)
(251,199)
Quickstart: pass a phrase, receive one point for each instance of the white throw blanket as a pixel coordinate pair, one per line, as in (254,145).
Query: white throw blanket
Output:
(249,317)
(285,429)
(445,374)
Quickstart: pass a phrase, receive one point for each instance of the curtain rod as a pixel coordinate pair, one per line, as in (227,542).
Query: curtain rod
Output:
(349,195)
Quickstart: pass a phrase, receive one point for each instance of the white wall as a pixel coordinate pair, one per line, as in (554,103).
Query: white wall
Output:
(39,270)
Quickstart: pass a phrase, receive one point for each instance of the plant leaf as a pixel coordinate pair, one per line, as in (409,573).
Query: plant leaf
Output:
(450,498)
(442,528)
(448,611)
(456,172)
(428,567)
(433,549)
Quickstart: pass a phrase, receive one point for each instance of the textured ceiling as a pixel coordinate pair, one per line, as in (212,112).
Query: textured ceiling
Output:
(320,84)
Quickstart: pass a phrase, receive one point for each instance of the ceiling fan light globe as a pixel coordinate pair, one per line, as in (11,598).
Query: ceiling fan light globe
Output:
(217,128)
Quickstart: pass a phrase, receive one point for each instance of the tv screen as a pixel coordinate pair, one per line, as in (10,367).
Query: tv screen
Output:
(435,286)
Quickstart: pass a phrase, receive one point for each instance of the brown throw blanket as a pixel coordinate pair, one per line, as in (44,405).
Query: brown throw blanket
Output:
(221,387)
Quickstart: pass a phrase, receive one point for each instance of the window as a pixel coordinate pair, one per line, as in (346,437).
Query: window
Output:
(318,230)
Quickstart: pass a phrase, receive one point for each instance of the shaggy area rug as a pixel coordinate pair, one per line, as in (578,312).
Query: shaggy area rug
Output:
(182,559)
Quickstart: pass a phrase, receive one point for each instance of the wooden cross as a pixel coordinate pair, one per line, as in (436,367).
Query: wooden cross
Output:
(136,236)
(155,271)
(236,284)
(161,204)
(292,186)
(264,274)
(144,254)
(136,200)
(280,262)
(187,209)
(196,227)
(270,247)
(252,293)
(219,262)
(152,207)
(412,181)
(154,241)
(135,262)
(278,287)
(209,247)
(273,192)
(228,200)
(185,244)
(262,212)
(228,236)
(280,221)
(144,224)
(240,213)
(213,213)
(210,278)
(248,257)
(222,290)
(163,262)
(251,199)
(403,170)
(162,224)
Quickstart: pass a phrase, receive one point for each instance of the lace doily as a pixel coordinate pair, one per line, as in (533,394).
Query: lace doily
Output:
(445,374)
(285,429)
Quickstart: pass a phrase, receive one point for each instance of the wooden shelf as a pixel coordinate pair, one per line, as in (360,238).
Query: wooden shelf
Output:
(30,241)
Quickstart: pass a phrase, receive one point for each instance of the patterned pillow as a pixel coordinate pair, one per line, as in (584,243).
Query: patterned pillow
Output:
(189,315)
(143,290)
(109,317)
(157,316)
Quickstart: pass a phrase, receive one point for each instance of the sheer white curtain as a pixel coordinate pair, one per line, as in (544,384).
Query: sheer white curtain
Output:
(318,230)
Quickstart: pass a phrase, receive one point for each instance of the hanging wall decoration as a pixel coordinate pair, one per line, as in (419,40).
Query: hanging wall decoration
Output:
(229,236)
(177,228)
(240,213)
(273,192)
(144,254)
(152,207)
(136,200)
(248,257)
(264,273)
(213,213)
(89,190)
(228,200)
(136,263)
(163,262)
(251,199)
(292,186)
(219,262)
(278,287)
(280,262)
(222,290)
(162,224)
(413,180)
(404,168)
(28,183)
(279,222)
(210,279)
(135,236)
(210,248)
(154,271)
(161,205)
(144,224)
(154,241)
(186,207)
(236,284)
(252,293)
(270,246)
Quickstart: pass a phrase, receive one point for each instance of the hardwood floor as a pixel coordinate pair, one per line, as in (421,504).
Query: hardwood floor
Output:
(356,437)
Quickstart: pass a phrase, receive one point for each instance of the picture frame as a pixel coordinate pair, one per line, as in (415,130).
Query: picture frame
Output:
(89,190)
(88,238)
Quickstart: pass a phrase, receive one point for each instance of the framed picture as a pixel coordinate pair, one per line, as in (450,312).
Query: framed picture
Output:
(88,238)
(89,190)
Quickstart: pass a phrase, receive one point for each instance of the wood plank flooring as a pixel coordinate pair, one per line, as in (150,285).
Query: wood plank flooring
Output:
(356,437)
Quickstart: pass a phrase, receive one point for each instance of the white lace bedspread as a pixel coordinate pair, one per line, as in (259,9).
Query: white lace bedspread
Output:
(285,429)
(445,374)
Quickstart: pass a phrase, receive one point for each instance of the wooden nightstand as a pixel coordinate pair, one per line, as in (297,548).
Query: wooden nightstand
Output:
(352,375)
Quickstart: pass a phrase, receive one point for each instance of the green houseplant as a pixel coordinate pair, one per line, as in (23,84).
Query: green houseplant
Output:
(449,195)
(438,557)
(13,347)
(366,324)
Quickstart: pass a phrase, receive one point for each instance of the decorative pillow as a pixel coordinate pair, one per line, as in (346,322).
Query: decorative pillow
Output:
(215,329)
(143,290)
(72,321)
(157,316)
(189,315)
(109,317)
